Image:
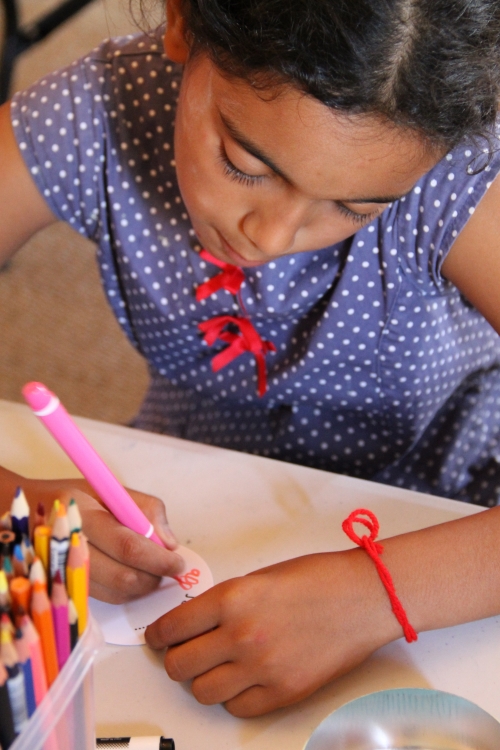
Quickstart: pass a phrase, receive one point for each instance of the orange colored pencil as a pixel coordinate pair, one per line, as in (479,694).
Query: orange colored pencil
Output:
(37,573)
(20,593)
(41,614)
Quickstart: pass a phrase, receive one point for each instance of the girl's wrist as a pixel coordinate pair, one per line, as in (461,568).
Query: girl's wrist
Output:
(371,597)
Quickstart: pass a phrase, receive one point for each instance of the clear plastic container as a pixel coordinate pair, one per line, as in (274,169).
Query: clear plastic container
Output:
(65,718)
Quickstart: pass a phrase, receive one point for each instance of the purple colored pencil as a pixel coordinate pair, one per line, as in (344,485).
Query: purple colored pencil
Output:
(60,617)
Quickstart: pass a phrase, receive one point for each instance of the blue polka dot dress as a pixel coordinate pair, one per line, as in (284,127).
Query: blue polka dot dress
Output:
(378,368)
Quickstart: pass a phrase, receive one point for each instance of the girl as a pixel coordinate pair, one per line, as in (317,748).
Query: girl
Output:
(311,270)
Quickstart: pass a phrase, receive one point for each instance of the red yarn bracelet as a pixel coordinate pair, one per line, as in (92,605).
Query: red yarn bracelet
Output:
(374,550)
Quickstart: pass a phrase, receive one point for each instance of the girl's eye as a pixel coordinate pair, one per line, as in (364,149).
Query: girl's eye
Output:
(358,218)
(236,174)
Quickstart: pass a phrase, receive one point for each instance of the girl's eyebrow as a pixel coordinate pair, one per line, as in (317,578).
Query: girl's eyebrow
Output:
(254,150)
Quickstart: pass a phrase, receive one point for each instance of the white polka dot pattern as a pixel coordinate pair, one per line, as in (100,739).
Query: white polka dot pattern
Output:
(382,369)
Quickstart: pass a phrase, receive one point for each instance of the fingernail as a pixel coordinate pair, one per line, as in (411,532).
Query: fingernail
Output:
(177,566)
(168,537)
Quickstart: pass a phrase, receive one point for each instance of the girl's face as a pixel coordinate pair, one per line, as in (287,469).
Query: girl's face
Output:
(266,175)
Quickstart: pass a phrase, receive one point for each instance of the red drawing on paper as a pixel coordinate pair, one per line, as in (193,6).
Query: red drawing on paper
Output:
(188,580)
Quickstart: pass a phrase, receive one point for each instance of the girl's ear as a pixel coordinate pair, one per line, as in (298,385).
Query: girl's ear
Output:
(174,42)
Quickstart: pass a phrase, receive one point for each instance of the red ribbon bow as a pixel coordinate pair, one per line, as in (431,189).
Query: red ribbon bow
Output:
(230,279)
(246,340)
(374,550)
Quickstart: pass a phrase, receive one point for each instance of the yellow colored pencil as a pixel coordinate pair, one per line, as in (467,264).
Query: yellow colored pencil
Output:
(41,542)
(76,580)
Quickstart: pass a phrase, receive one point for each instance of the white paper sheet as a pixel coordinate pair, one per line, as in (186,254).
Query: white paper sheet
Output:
(124,624)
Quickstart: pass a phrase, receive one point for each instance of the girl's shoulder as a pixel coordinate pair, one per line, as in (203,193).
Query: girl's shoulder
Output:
(420,228)
(120,69)
(77,127)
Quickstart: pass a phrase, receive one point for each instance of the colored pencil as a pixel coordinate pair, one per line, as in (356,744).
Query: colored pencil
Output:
(7,541)
(59,543)
(23,652)
(18,562)
(60,616)
(20,594)
(36,655)
(40,516)
(19,514)
(32,655)
(74,517)
(86,557)
(76,578)
(53,512)
(5,521)
(41,542)
(8,569)
(28,551)
(5,596)
(42,620)
(73,623)
(38,573)
(15,681)
(7,731)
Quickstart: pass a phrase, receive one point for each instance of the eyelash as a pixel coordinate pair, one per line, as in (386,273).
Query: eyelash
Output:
(236,174)
(357,218)
(250,180)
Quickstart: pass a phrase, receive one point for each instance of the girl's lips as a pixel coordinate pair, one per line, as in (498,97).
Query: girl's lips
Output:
(238,259)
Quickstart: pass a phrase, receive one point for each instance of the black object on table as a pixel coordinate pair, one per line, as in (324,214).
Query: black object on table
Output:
(19,38)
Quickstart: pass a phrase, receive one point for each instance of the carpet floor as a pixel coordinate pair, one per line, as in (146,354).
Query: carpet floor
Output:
(55,324)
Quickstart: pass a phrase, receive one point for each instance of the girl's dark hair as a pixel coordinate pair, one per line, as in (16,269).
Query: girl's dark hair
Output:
(431,65)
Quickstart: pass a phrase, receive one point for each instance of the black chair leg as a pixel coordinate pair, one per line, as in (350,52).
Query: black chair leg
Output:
(9,48)
(18,39)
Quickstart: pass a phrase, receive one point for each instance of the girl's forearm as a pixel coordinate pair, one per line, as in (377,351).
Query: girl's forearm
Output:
(36,490)
(450,573)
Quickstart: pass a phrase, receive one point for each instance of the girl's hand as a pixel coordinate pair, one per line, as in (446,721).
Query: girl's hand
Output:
(275,636)
(123,564)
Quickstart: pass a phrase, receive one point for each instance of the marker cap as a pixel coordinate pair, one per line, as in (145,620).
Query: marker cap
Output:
(136,743)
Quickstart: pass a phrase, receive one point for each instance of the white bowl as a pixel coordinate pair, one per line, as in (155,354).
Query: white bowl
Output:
(407,719)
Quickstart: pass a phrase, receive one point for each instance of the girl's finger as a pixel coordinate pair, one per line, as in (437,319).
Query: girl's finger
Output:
(254,701)
(154,509)
(119,583)
(104,594)
(186,621)
(197,656)
(221,684)
(128,547)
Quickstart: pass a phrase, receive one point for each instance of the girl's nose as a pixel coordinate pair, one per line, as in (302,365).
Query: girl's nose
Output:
(272,231)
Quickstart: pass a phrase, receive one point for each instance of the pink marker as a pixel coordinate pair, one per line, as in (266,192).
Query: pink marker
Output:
(47,407)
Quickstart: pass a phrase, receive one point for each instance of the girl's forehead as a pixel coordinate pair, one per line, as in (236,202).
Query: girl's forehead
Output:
(320,149)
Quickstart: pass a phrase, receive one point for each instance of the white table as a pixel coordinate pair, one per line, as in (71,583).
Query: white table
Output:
(240,513)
